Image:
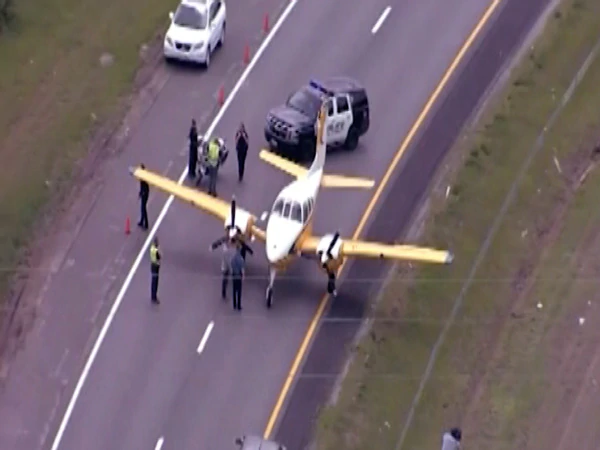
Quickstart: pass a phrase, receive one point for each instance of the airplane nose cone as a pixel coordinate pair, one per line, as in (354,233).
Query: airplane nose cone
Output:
(273,252)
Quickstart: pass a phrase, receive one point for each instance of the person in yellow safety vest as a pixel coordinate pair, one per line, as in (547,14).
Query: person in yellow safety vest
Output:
(213,164)
(154,270)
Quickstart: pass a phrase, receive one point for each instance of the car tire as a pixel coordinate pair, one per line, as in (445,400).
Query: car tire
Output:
(207,61)
(351,142)
(308,151)
(222,38)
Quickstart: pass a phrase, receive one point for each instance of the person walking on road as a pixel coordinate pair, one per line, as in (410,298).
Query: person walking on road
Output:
(229,249)
(241,148)
(237,277)
(154,270)
(144,194)
(213,166)
(193,156)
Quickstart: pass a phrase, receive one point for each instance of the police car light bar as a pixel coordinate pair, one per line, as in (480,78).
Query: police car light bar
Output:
(316,85)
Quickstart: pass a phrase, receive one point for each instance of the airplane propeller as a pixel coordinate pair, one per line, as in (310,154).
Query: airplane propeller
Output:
(336,236)
(232,226)
(233,232)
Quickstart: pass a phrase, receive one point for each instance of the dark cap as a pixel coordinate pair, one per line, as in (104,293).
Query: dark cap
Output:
(456,433)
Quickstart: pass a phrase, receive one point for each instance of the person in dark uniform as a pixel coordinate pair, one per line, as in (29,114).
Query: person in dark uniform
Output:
(237,277)
(154,270)
(144,194)
(229,249)
(193,156)
(241,148)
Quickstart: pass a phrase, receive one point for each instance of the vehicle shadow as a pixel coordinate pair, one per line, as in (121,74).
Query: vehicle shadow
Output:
(185,67)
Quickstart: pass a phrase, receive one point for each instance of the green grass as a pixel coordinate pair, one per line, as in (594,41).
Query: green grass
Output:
(490,372)
(54,93)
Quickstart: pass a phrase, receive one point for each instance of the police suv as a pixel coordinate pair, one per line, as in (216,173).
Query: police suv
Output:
(290,128)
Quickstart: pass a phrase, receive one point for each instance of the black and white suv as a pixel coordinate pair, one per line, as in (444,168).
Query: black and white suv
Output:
(290,128)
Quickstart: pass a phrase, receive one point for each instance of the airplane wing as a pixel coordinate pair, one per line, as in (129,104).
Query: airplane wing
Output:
(341,181)
(283,164)
(363,249)
(295,170)
(212,205)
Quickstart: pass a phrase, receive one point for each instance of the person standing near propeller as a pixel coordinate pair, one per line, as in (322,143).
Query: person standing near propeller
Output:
(233,245)
(328,264)
(237,277)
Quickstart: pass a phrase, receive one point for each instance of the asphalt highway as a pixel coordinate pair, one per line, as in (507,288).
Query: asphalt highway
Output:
(148,380)
(159,373)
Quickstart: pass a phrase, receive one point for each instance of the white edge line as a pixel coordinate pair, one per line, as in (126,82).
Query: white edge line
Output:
(161,216)
(381,19)
(159,443)
(205,337)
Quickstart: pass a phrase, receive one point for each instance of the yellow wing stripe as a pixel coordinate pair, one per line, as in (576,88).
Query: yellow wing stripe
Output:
(330,181)
(362,249)
(341,181)
(282,163)
(400,252)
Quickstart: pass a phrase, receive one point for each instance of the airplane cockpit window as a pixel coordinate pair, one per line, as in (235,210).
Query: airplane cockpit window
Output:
(286,210)
(278,207)
(306,210)
(296,214)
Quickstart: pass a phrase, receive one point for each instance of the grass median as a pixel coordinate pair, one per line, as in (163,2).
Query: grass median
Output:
(491,371)
(65,68)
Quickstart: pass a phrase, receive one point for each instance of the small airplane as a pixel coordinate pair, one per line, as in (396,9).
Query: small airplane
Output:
(288,233)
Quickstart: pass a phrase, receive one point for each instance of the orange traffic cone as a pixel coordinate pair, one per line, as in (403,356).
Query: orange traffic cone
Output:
(246,54)
(127,225)
(221,96)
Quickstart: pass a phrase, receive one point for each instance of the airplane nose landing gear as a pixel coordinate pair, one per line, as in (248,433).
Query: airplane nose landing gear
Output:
(269,293)
(331,290)
(269,297)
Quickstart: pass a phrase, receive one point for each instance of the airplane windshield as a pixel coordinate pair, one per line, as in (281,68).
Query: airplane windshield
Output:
(296,213)
(278,207)
(286,210)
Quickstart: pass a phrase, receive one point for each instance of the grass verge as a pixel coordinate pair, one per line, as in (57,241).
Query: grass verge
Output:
(491,371)
(65,65)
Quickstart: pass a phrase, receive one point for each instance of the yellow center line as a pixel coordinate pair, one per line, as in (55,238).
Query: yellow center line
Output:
(384,181)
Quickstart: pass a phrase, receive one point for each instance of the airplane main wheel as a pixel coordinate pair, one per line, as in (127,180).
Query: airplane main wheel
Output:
(269,297)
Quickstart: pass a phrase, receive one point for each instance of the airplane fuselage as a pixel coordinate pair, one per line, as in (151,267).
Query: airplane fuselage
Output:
(291,218)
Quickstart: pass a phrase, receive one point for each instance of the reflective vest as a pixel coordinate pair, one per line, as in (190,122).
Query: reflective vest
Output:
(213,153)
(154,255)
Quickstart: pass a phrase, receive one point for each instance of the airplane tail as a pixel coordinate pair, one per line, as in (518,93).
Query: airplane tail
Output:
(321,146)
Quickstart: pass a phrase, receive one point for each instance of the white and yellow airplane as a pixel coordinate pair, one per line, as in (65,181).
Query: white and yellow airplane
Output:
(288,232)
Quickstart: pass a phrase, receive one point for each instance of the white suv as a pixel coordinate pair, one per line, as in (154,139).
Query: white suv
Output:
(197,29)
